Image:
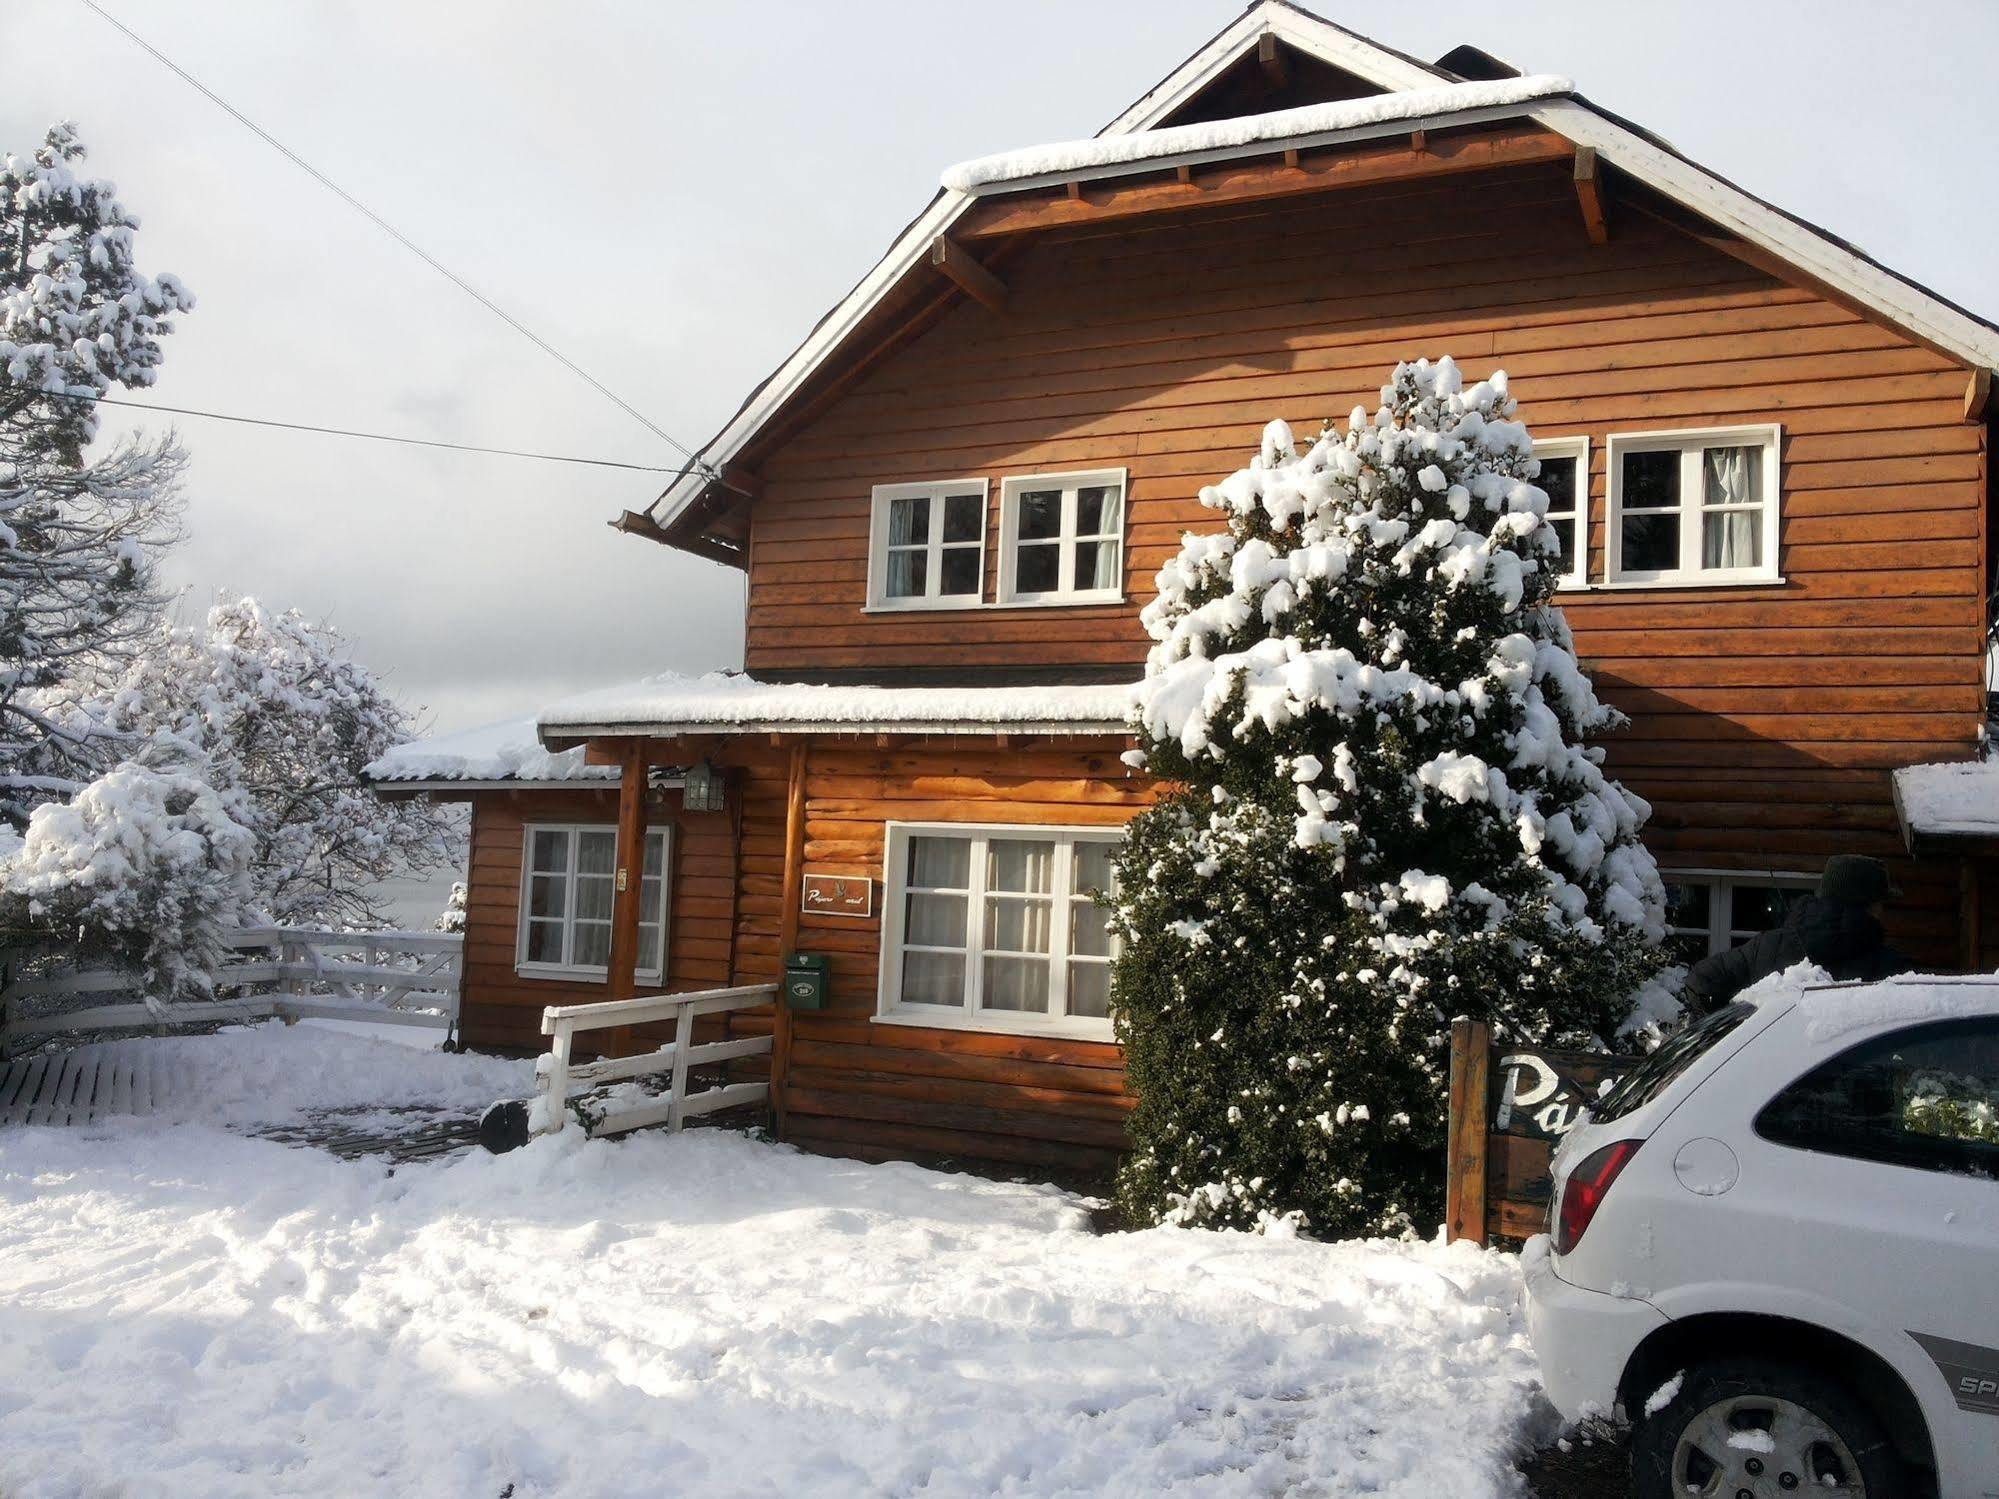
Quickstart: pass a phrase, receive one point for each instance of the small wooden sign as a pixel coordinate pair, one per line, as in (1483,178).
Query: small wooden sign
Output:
(838,895)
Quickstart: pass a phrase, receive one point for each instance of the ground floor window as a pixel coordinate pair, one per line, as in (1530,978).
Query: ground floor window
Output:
(998,927)
(1711,911)
(568,883)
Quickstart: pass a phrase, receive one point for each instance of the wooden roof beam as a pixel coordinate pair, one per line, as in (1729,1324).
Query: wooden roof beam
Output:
(959,266)
(1270,58)
(1240,181)
(1978,396)
(1591,196)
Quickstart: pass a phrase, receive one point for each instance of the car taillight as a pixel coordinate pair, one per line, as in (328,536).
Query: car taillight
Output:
(1584,1191)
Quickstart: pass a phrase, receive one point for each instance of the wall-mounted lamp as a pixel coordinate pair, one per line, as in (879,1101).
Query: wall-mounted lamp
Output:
(703,788)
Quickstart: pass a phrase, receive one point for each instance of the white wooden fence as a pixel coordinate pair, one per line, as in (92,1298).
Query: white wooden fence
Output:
(556,1076)
(395,978)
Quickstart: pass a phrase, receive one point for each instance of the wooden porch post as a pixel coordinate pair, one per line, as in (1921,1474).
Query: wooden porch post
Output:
(629,882)
(794,878)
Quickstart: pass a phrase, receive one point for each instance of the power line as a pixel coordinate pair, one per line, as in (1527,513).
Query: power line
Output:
(414,442)
(409,244)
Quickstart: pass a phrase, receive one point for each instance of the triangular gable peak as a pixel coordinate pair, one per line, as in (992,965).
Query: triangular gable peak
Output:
(1298,58)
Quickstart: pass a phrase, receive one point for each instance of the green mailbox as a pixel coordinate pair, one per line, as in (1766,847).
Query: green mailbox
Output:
(805,981)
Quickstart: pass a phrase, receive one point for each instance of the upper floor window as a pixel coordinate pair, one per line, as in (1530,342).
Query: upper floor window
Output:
(1062,538)
(995,928)
(1565,480)
(927,545)
(568,879)
(1693,507)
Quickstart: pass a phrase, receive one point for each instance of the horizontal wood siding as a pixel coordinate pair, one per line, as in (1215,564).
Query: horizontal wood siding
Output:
(857,1087)
(502,1009)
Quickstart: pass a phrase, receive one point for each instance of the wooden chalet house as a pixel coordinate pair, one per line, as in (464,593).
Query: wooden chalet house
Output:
(1769,455)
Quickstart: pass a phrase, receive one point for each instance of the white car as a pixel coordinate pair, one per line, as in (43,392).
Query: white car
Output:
(1774,1248)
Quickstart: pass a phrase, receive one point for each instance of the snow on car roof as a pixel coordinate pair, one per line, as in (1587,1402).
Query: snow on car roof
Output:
(731,702)
(1835,1011)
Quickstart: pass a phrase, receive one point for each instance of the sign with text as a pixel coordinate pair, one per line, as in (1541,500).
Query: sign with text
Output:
(1539,1093)
(838,895)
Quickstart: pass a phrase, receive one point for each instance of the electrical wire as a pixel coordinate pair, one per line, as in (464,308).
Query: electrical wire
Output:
(415,442)
(693,458)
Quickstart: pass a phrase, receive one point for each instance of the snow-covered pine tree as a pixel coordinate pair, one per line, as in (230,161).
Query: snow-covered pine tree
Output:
(77,539)
(286,719)
(1386,815)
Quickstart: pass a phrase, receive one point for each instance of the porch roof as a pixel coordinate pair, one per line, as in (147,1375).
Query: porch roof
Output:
(1955,802)
(497,755)
(731,703)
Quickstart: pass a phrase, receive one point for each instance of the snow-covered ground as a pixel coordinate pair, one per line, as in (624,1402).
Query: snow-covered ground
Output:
(185,1310)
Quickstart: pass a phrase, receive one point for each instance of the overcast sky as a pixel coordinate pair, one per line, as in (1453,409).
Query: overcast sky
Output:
(672,193)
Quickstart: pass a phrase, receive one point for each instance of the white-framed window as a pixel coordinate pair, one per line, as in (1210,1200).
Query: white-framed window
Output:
(1710,911)
(568,885)
(990,927)
(1062,538)
(1693,507)
(927,545)
(1565,478)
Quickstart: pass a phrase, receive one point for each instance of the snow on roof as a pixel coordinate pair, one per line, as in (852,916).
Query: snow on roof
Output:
(498,752)
(734,703)
(1146,147)
(1954,800)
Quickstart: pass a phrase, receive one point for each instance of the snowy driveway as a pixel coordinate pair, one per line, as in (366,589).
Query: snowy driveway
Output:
(189,1312)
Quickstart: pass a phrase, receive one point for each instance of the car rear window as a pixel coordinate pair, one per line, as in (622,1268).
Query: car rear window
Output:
(1655,1074)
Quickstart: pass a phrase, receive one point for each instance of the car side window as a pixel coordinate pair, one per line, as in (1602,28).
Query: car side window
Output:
(1926,1097)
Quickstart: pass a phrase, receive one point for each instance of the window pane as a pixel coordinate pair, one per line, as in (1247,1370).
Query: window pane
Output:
(934,921)
(655,854)
(1096,564)
(930,978)
(1037,568)
(1089,929)
(1926,1097)
(593,898)
(649,959)
(964,518)
(1564,528)
(596,852)
(593,945)
(651,893)
(1651,543)
(550,853)
(1016,984)
(940,863)
(1758,908)
(908,573)
(1090,989)
(958,574)
(1021,864)
(1093,866)
(1099,509)
(909,521)
(1040,515)
(547,896)
(1732,476)
(544,942)
(1558,482)
(1687,904)
(1018,925)
(1732,538)
(1651,481)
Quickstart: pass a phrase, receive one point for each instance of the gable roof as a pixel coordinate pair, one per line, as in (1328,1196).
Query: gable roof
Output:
(1809,250)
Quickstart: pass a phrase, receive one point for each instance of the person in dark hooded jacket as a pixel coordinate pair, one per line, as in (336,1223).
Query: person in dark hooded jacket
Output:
(1838,928)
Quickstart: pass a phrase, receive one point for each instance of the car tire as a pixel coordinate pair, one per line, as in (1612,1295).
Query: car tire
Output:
(1729,1396)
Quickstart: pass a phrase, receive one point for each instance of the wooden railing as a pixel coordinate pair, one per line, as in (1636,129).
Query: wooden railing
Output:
(556,1076)
(309,973)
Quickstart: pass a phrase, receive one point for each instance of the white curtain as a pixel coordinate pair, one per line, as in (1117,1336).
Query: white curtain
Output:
(1732,537)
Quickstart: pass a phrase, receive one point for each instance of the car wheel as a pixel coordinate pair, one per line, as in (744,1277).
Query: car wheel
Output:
(1747,1429)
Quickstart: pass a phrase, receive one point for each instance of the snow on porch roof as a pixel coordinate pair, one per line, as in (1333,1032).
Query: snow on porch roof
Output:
(500,754)
(1958,799)
(730,703)
(1148,149)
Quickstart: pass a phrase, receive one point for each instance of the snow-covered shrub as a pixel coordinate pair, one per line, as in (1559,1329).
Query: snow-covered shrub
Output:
(143,868)
(286,719)
(452,917)
(1386,816)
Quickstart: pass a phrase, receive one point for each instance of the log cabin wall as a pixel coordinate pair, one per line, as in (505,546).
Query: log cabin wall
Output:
(1764,718)
(500,1008)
